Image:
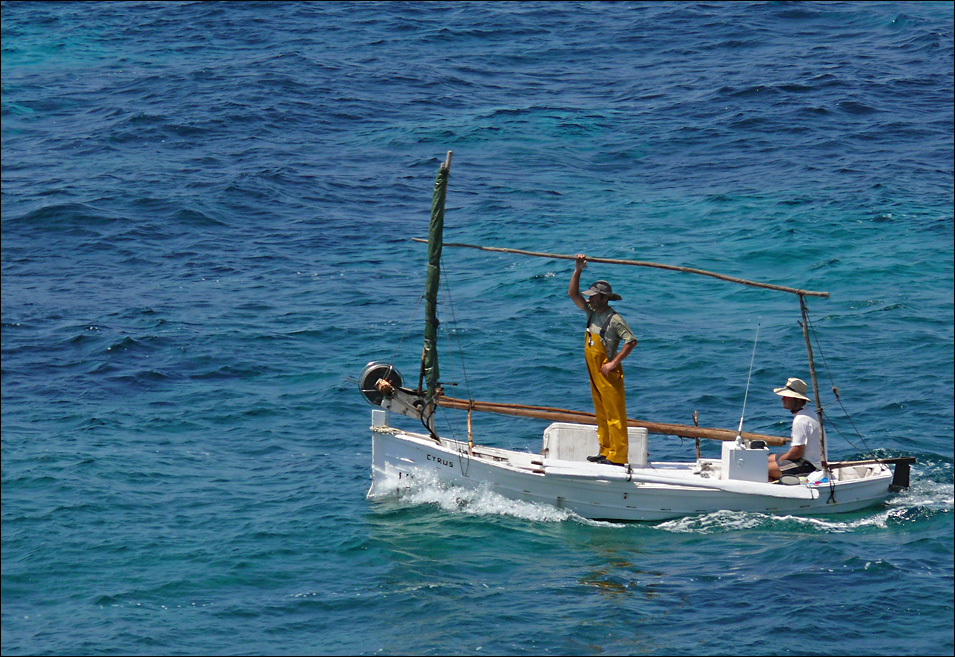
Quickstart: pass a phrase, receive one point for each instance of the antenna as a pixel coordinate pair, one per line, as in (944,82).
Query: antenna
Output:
(739,432)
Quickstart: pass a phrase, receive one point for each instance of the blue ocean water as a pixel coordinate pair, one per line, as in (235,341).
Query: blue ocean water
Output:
(207,213)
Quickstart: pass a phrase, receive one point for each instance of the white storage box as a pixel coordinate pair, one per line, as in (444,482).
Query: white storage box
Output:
(575,442)
(744,464)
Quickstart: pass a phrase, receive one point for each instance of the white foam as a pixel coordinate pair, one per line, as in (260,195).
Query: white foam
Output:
(479,501)
(730,521)
(484,502)
(718,521)
(928,494)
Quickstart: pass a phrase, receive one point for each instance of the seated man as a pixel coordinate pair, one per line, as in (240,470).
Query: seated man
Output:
(804,455)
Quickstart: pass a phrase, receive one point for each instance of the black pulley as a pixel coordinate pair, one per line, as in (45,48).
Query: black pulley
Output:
(369,377)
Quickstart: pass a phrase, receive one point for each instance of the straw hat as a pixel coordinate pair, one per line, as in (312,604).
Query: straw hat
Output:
(794,388)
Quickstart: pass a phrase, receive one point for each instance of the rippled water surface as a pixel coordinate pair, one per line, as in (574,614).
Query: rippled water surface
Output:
(207,213)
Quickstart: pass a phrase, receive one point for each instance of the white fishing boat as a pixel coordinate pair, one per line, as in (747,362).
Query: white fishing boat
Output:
(560,474)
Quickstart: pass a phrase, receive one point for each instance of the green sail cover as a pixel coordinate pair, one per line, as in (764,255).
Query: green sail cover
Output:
(429,358)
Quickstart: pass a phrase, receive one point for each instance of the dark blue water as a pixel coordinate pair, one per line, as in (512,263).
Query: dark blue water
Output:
(206,221)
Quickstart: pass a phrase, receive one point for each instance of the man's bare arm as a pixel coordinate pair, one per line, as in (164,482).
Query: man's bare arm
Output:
(573,289)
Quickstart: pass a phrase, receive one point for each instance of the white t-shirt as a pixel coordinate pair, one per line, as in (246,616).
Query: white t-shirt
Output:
(806,432)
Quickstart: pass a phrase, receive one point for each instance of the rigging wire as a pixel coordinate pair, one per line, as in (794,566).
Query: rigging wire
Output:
(464,459)
(835,392)
(454,323)
(414,313)
(739,432)
(391,364)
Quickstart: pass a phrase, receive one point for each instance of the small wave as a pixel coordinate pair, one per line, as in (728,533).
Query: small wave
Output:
(796,88)
(196,218)
(85,335)
(317,335)
(141,377)
(65,215)
(797,14)
(828,80)
(17,109)
(854,107)
(901,21)
(825,264)
(124,344)
(101,368)
(226,372)
(748,92)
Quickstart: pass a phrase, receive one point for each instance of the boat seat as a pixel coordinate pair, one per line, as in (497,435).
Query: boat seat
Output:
(568,441)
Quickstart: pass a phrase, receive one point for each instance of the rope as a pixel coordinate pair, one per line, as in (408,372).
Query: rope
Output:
(835,392)
(454,323)
(465,462)
(391,363)
(392,430)
(843,436)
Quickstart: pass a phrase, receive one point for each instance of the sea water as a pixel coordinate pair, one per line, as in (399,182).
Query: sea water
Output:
(207,213)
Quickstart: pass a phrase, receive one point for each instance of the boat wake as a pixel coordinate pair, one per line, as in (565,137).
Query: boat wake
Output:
(479,501)
(924,498)
(927,497)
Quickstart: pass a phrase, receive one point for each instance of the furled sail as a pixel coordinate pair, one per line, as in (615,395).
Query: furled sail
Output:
(429,357)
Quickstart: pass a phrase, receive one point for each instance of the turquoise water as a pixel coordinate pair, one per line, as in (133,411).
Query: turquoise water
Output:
(207,213)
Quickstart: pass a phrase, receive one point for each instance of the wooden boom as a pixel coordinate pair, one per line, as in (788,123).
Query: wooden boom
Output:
(638,263)
(582,417)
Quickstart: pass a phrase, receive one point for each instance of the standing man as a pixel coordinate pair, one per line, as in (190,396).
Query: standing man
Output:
(804,455)
(605,330)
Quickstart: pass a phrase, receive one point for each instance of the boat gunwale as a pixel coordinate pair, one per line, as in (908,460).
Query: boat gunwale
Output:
(500,457)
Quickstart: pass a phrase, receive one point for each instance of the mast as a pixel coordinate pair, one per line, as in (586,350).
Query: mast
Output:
(815,384)
(429,356)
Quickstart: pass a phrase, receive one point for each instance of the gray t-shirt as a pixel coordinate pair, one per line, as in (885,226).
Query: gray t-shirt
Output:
(617,331)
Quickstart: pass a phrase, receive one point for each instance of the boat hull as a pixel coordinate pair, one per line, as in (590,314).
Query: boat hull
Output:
(658,491)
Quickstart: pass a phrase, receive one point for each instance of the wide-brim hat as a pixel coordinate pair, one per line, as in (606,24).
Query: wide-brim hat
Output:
(601,287)
(794,388)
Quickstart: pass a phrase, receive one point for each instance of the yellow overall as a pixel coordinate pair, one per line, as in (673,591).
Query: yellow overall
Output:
(609,403)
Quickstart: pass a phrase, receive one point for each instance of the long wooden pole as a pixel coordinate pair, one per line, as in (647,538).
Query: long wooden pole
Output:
(582,417)
(815,384)
(639,263)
